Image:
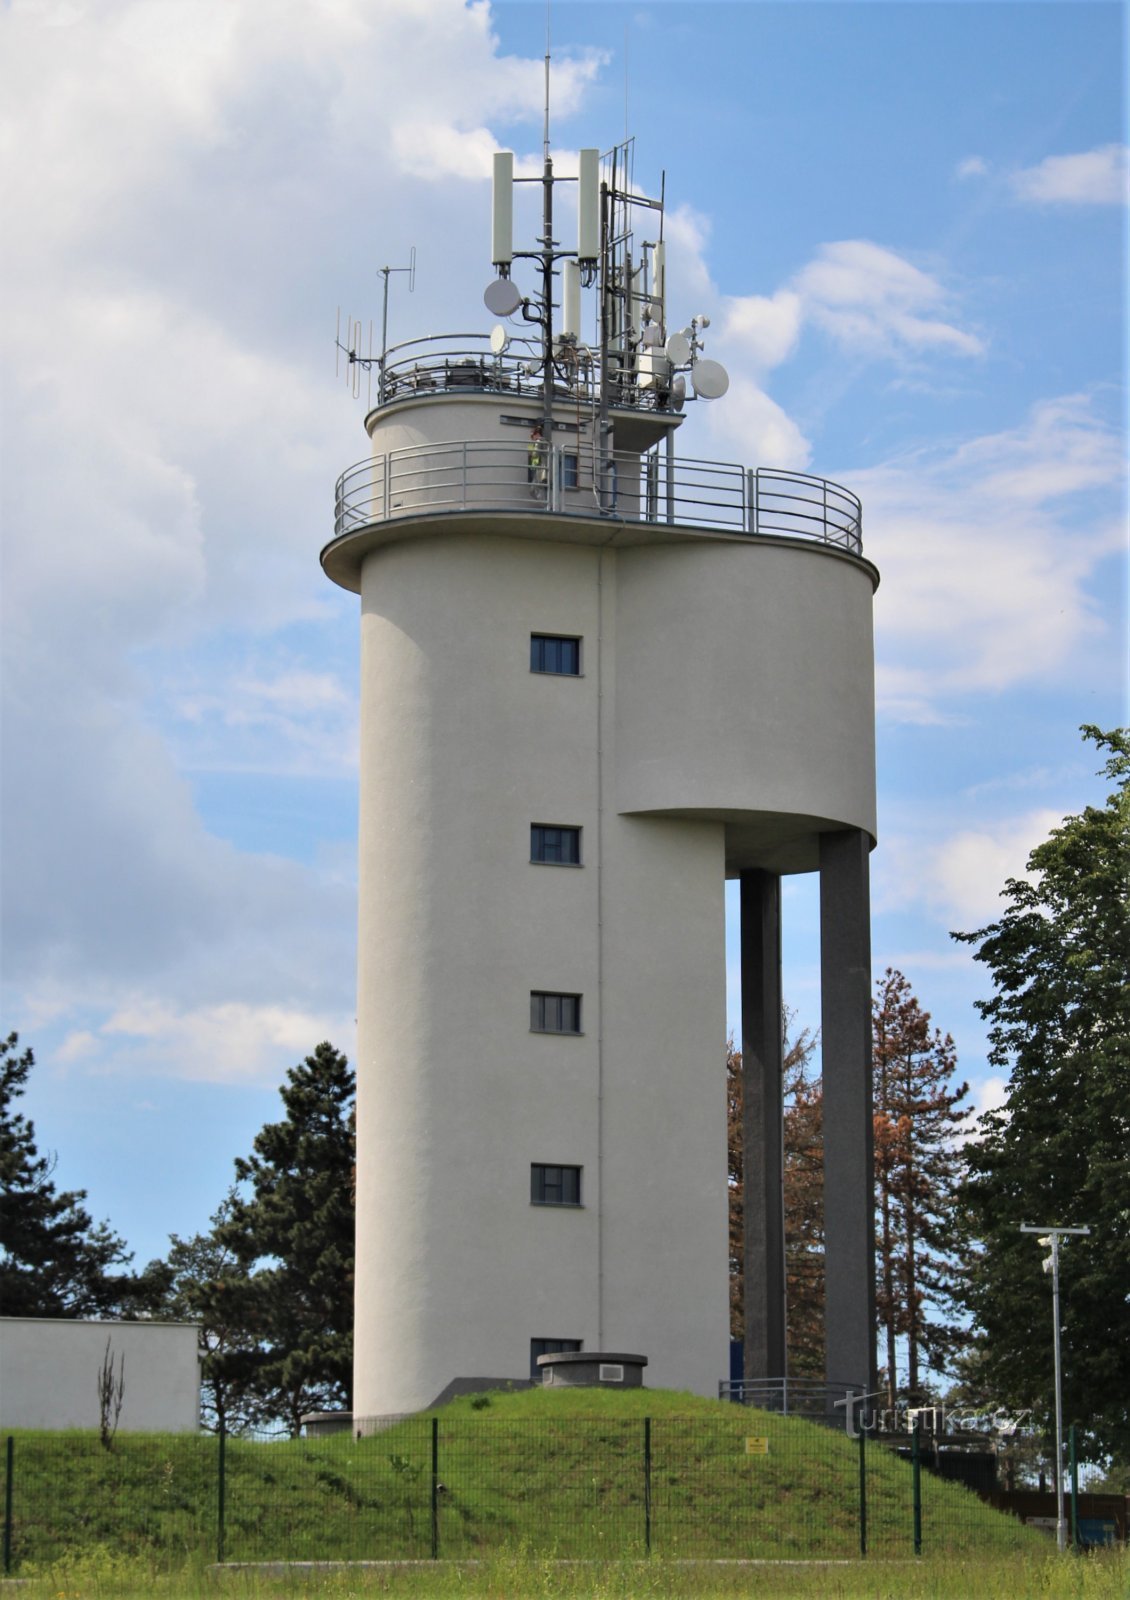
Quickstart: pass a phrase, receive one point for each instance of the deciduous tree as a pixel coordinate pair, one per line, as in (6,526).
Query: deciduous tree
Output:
(1056,1151)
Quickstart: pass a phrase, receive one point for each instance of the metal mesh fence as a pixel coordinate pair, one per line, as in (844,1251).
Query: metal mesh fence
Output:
(742,1485)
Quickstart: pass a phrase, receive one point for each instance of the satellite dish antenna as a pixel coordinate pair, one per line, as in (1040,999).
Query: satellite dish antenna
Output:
(499,338)
(710,379)
(678,393)
(502,297)
(678,349)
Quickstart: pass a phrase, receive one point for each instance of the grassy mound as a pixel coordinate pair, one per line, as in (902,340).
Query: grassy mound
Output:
(583,1473)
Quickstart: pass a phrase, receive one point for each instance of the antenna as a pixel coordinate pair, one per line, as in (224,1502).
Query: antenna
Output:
(386,273)
(351,347)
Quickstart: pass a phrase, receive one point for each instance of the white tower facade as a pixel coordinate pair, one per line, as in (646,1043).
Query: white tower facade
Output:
(595,681)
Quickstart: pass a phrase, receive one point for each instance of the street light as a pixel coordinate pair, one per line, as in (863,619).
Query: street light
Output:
(1049,1238)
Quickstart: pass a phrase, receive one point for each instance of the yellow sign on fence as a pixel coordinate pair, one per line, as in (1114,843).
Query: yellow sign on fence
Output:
(756,1447)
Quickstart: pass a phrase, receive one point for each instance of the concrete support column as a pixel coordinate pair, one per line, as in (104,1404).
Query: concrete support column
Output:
(849,1216)
(762,1129)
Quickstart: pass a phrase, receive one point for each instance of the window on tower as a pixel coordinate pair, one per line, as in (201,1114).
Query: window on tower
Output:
(554,1186)
(549,1347)
(554,846)
(558,653)
(554,1013)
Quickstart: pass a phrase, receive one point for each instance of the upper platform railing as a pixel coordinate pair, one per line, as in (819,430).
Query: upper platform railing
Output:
(652,489)
(459,364)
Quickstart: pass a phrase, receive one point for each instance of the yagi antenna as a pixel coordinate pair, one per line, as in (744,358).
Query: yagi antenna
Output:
(350,346)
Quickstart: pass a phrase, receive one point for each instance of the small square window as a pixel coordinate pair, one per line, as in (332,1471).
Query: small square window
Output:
(554,1013)
(549,1347)
(551,652)
(554,1186)
(555,846)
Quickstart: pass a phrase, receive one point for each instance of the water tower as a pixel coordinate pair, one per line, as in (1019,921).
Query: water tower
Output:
(597,679)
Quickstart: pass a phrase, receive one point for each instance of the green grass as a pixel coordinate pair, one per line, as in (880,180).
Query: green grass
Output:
(543,1474)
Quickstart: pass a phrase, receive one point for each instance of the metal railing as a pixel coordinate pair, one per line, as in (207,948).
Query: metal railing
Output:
(835,1405)
(500,476)
(464,363)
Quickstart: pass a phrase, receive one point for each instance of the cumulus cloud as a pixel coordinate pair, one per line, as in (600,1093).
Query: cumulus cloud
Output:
(989,552)
(959,876)
(172,440)
(871,299)
(230,1043)
(1099,177)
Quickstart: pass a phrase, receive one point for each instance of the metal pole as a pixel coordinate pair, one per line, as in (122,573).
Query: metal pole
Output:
(9,1465)
(862,1493)
(435,1488)
(1050,1237)
(1060,1524)
(1074,1488)
(220,1492)
(916,1486)
(647,1483)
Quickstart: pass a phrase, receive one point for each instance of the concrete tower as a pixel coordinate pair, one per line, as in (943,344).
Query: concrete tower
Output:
(596,681)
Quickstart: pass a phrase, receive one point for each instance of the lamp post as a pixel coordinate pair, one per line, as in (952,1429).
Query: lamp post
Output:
(1049,1239)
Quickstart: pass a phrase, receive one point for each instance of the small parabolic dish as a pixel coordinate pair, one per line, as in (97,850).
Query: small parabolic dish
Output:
(710,379)
(678,393)
(502,297)
(499,338)
(678,349)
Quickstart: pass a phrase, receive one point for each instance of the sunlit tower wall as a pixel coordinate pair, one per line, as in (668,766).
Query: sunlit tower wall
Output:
(596,681)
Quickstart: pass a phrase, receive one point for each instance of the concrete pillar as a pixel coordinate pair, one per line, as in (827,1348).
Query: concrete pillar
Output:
(849,1217)
(762,1130)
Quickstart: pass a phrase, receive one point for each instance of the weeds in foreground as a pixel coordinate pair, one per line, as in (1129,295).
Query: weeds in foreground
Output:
(104,1574)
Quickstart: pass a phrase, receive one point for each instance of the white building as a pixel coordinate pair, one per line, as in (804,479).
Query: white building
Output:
(596,681)
(50,1367)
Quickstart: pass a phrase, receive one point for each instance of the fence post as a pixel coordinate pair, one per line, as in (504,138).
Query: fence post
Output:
(1074,1488)
(435,1488)
(8,1468)
(647,1483)
(220,1494)
(916,1485)
(862,1488)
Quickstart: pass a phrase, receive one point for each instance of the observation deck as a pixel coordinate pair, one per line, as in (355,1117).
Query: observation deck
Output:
(616,495)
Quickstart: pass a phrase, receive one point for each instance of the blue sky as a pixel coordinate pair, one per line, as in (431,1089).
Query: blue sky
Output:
(908,224)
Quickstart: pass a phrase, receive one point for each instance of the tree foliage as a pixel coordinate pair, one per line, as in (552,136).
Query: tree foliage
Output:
(209,1285)
(1056,1152)
(917,1119)
(291,1242)
(54,1260)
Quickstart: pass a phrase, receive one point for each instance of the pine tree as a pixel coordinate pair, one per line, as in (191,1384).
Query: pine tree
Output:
(293,1236)
(54,1261)
(917,1166)
(1056,1151)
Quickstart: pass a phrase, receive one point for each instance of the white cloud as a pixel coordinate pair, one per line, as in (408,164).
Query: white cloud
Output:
(988,553)
(959,877)
(1090,177)
(870,299)
(750,426)
(231,1043)
(765,328)
(972,167)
